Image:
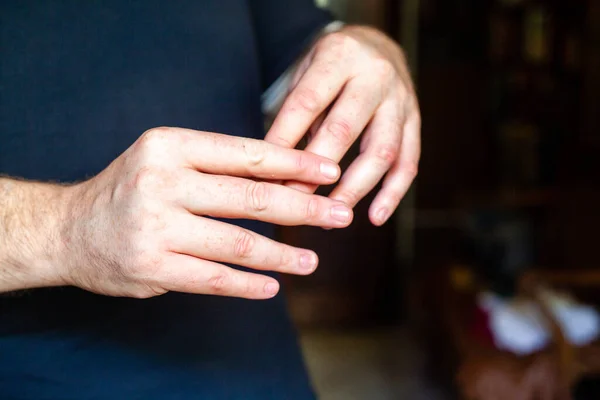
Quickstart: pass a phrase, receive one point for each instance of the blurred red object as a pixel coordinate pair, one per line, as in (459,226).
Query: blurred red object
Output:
(479,327)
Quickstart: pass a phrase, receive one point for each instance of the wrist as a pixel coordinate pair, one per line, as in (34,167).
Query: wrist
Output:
(273,98)
(32,233)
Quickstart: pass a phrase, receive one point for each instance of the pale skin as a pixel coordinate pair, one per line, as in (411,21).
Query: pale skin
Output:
(140,228)
(356,81)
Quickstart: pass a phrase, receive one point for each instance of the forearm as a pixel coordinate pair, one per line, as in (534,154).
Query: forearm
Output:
(31,235)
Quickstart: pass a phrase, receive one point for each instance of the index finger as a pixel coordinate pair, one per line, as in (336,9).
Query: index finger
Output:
(319,86)
(235,156)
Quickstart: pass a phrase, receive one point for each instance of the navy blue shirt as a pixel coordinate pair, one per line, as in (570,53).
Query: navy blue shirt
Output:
(79,82)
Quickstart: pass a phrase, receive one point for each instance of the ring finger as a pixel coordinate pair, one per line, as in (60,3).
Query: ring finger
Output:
(377,157)
(225,243)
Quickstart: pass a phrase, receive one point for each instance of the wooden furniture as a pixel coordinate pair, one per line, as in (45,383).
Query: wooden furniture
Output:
(485,373)
(509,94)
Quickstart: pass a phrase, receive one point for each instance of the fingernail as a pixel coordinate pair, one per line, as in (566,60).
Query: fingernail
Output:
(271,288)
(329,170)
(340,213)
(382,215)
(308,261)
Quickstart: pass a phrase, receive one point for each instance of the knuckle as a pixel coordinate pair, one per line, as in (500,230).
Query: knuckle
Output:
(244,244)
(151,147)
(244,288)
(331,44)
(152,180)
(386,154)
(307,100)
(383,68)
(341,131)
(302,162)
(155,137)
(286,257)
(254,152)
(145,178)
(218,283)
(334,39)
(351,196)
(157,132)
(148,291)
(257,196)
(411,169)
(311,210)
(342,42)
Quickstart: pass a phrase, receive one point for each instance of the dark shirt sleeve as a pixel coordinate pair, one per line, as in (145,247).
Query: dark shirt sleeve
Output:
(283,29)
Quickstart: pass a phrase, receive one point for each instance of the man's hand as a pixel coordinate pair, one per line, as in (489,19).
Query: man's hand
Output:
(353,81)
(139,228)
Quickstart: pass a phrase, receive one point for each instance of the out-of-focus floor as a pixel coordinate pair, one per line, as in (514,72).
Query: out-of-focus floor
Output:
(366,365)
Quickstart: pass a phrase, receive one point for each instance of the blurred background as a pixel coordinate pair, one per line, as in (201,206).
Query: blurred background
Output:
(505,208)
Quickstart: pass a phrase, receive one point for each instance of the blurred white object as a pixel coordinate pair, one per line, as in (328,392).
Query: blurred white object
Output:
(519,327)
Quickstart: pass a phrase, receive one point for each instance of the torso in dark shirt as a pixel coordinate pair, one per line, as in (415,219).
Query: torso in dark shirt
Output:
(79,82)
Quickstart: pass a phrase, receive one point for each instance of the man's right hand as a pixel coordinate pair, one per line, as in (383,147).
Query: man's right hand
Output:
(140,227)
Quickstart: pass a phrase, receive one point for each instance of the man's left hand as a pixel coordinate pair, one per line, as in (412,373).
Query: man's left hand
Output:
(356,81)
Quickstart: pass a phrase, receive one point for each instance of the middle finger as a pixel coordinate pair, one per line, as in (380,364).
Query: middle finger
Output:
(233,197)
(343,125)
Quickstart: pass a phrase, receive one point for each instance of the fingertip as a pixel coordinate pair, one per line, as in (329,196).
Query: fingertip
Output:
(308,262)
(342,215)
(379,215)
(331,171)
(376,222)
(351,215)
(271,288)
